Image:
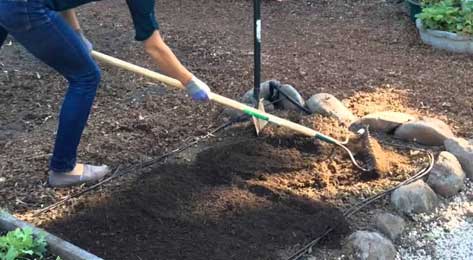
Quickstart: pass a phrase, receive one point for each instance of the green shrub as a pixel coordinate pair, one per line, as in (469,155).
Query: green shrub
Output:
(454,16)
(21,244)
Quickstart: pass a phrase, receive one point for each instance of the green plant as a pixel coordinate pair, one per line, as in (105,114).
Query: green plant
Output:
(448,15)
(441,16)
(21,244)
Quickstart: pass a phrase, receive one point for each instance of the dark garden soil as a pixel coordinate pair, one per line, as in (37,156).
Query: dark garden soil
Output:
(240,198)
(235,196)
(218,208)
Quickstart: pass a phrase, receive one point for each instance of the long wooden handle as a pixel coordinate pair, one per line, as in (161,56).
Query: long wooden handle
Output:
(214,97)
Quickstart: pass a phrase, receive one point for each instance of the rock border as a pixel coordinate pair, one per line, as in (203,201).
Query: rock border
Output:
(56,245)
(411,199)
(415,195)
(321,103)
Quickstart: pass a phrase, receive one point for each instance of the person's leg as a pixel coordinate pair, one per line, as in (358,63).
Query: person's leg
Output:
(49,38)
(3,36)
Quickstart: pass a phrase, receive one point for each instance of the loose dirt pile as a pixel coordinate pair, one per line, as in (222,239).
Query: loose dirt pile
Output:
(217,208)
(242,197)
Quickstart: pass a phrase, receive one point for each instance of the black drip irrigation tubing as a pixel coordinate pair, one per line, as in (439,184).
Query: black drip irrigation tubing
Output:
(276,86)
(118,172)
(362,204)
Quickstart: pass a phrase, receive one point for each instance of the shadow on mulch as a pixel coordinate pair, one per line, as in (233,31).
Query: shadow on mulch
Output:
(209,210)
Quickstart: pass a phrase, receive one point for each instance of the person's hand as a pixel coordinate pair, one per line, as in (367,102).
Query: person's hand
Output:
(198,90)
(84,40)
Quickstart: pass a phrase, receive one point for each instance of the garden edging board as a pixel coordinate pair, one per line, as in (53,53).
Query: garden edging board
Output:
(445,40)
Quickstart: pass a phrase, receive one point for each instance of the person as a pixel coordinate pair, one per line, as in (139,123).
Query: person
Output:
(37,26)
(71,18)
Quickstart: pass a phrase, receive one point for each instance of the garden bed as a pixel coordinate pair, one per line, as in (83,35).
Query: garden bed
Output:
(447,25)
(445,40)
(56,246)
(318,46)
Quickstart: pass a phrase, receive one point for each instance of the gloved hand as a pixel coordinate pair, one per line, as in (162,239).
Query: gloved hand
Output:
(85,41)
(198,90)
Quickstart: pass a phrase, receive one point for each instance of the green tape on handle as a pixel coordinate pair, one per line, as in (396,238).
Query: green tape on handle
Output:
(325,138)
(255,114)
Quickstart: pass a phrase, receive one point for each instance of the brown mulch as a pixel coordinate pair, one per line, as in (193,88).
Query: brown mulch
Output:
(366,53)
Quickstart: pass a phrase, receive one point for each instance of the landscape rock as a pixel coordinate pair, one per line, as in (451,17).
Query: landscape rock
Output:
(390,225)
(463,150)
(265,92)
(328,105)
(447,177)
(428,131)
(291,92)
(416,197)
(384,121)
(365,245)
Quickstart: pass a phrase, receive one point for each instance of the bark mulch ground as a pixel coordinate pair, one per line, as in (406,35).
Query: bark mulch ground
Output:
(236,196)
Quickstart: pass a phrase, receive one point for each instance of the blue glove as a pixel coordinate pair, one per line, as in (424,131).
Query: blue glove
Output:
(3,35)
(198,90)
(84,40)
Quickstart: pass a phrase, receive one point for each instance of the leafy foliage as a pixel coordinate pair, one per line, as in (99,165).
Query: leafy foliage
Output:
(448,15)
(21,244)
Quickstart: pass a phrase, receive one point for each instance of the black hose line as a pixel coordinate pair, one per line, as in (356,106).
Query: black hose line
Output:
(362,204)
(275,90)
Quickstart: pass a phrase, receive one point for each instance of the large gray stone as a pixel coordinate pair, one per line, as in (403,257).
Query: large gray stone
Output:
(265,93)
(428,131)
(385,121)
(416,197)
(463,150)
(328,105)
(291,92)
(365,245)
(447,177)
(390,225)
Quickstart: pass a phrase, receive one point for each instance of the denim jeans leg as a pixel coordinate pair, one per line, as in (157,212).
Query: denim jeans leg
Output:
(48,37)
(3,36)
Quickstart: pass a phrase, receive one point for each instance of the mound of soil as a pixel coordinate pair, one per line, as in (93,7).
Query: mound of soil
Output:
(242,197)
(217,208)
(246,159)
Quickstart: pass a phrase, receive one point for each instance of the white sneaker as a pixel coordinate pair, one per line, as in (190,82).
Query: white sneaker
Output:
(82,173)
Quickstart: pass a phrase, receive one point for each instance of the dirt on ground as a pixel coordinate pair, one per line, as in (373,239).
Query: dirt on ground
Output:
(220,207)
(240,198)
(235,196)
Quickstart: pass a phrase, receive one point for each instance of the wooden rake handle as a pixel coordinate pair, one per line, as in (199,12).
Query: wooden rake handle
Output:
(214,97)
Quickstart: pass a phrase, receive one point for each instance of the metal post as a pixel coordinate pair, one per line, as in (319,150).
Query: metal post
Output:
(257,53)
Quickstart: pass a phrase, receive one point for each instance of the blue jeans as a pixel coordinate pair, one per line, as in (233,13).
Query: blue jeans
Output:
(48,37)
